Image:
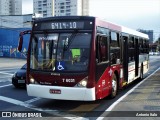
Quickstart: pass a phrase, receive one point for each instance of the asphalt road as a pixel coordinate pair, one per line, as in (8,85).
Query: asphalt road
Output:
(16,101)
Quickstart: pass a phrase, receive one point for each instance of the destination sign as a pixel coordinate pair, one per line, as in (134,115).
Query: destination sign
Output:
(67,25)
(57,25)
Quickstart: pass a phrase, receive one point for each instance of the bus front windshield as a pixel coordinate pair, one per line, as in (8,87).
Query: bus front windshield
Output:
(60,52)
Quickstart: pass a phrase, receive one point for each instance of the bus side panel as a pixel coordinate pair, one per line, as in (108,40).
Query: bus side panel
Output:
(104,84)
(144,60)
(91,79)
(145,66)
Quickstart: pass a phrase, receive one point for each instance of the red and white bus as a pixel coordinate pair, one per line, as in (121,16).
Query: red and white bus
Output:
(83,58)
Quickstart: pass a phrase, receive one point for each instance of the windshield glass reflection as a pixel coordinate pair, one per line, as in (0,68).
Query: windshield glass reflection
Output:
(60,52)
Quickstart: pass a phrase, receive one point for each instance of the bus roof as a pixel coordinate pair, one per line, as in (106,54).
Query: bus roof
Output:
(123,29)
(134,32)
(66,18)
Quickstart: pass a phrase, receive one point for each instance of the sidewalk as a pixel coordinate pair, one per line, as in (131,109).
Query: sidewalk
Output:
(146,97)
(142,102)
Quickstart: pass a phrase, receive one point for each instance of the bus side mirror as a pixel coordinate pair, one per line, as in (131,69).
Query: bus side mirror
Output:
(20,44)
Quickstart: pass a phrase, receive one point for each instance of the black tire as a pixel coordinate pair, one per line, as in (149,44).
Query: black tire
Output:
(114,86)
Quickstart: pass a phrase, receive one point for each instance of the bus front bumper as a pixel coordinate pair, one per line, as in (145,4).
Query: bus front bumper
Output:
(61,93)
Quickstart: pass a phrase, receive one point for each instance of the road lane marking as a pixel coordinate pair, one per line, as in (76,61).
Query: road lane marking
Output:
(9,69)
(9,72)
(28,105)
(5,85)
(5,77)
(6,73)
(32,100)
(32,107)
(124,96)
(23,104)
(13,101)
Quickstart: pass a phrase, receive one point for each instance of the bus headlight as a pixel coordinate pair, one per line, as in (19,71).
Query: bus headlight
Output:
(83,83)
(33,81)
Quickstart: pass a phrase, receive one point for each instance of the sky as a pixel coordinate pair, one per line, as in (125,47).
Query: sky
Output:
(135,14)
(27,6)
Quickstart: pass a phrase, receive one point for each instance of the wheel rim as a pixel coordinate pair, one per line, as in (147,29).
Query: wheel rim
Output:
(114,86)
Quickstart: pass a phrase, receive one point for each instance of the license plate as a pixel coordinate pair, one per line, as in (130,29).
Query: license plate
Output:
(54,91)
(21,81)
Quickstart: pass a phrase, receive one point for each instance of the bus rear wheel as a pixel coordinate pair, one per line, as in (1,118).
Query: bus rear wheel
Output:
(114,86)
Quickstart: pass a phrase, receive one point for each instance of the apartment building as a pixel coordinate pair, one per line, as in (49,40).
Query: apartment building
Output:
(85,7)
(4,7)
(10,7)
(16,7)
(149,33)
(61,7)
(71,7)
(44,7)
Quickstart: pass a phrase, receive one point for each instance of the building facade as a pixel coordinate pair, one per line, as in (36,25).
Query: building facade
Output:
(149,33)
(71,7)
(61,7)
(16,7)
(43,7)
(85,7)
(4,7)
(10,7)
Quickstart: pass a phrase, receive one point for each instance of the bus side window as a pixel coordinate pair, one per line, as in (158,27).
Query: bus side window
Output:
(140,45)
(114,40)
(101,51)
(131,48)
(114,47)
(147,46)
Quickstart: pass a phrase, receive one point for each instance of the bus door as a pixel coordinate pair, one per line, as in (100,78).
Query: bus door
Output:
(136,56)
(125,57)
(102,63)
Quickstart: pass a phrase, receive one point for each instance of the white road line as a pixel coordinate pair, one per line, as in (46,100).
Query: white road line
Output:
(28,105)
(70,118)
(13,101)
(125,95)
(10,68)
(5,77)
(5,85)
(32,100)
(23,104)
(6,73)
(32,107)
